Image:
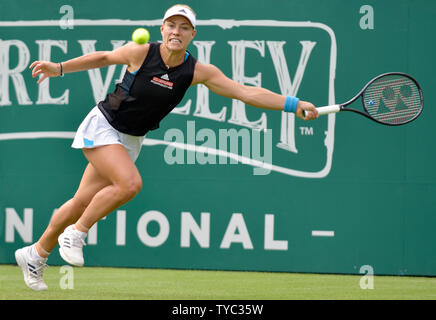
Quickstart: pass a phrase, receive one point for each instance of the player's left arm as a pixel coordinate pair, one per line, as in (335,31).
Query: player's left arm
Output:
(216,81)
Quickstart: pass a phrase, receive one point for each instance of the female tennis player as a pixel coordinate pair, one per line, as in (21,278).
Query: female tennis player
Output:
(157,77)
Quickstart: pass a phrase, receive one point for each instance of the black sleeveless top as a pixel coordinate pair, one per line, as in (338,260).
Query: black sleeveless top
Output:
(141,101)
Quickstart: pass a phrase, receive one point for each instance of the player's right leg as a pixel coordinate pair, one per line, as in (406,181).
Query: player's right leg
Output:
(32,258)
(32,266)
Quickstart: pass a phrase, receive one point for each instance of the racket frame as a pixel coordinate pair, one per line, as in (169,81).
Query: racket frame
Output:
(342,106)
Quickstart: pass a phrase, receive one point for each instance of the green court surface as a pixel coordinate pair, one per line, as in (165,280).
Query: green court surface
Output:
(92,283)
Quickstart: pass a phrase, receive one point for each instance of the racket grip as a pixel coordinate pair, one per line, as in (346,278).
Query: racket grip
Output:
(327,109)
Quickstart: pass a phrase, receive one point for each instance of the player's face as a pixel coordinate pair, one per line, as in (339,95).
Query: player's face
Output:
(177,33)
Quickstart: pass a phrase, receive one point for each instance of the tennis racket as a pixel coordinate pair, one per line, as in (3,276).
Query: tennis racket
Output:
(392,99)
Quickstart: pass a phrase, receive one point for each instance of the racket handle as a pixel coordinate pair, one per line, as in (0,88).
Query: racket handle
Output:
(327,109)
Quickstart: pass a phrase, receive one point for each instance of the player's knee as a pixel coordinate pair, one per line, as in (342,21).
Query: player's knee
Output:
(130,188)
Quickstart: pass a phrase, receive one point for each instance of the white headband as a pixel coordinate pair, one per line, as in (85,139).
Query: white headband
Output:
(180,11)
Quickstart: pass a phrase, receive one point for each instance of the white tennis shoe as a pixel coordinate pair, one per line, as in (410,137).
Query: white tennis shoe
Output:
(71,244)
(32,269)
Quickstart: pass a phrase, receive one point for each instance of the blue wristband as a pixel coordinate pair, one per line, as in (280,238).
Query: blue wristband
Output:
(291,104)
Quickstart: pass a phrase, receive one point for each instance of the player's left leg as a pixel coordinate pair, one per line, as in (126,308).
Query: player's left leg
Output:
(114,164)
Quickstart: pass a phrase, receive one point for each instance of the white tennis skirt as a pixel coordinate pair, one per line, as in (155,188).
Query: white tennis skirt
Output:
(95,131)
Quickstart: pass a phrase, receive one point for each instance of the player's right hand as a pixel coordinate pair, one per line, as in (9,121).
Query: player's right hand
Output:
(45,69)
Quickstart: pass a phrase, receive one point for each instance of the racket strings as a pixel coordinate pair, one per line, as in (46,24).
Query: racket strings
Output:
(393,99)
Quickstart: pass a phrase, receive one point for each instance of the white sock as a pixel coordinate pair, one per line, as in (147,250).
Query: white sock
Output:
(80,233)
(34,254)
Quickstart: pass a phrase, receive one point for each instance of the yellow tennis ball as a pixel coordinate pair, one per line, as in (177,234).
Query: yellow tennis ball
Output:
(141,36)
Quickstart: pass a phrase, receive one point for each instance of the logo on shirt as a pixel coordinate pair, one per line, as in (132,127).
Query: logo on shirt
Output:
(163,81)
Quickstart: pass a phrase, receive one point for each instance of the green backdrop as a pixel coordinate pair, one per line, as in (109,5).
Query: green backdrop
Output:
(339,193)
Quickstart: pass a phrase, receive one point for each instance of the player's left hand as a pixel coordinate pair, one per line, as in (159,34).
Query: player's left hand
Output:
(311,112)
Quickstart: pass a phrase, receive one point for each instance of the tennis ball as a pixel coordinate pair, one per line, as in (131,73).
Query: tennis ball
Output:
(141,36)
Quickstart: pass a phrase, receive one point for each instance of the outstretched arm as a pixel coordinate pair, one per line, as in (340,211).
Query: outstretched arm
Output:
(215,80)
(130,54)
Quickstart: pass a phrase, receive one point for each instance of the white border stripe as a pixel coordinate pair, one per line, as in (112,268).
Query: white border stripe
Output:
(318,233)
(38,135)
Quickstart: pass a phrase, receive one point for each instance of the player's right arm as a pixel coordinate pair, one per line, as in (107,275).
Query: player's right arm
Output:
(131,54)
